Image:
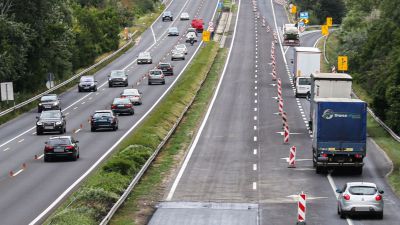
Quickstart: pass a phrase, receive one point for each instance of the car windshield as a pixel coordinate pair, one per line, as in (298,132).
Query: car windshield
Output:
(118,73)
(121,101)
(173,29)
(50,114)
(59,141)
(144,55)
(48,98)
(167,13)
(362,190)
(156,72)
(86,79)
(130,92)
(180,47)
(304,81)
(102,114)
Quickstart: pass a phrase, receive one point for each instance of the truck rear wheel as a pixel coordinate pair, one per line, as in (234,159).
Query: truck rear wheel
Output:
(319,170)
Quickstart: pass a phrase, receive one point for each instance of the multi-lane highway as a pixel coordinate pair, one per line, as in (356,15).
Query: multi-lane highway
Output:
(236,168)
(35,190)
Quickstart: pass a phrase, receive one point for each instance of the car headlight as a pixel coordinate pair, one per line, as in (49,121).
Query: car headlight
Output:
(92,85)
(40,104)
(39,123)
(55,103)
(59,123)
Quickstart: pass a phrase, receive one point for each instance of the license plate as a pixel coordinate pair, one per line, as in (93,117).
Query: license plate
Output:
(362,209)
(85,87)
(47,106)
(102,120)
(48,127)
(121,106)
(291,41)
(59,150)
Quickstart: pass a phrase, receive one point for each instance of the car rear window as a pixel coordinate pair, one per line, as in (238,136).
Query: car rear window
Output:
(130,92)
(155,72)
(362,190)
(121,101)
(102,114)
(59,141)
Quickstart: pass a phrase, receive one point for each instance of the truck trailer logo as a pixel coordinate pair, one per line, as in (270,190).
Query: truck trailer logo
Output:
(329,114)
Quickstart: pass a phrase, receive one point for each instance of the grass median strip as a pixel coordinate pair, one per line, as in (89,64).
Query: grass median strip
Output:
(91,202)
(381,137)
(140,204)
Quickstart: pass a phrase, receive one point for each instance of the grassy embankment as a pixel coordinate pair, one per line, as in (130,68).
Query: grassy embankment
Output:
(100,191)
(138,28)
(375,131)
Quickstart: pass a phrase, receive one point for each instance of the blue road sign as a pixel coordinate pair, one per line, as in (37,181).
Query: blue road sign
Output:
(301,24)
(220,4)
(303,15)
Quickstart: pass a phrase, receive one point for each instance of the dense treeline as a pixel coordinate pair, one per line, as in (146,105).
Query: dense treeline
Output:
(58,36)
(320,9)
(370,36)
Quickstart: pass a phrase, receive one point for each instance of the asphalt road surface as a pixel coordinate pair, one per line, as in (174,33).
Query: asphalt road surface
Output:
(39,186)
(238,156)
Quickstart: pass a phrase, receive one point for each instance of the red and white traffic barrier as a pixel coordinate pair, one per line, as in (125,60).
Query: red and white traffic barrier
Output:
(286,134)
(280,106)
(280,93)
(268,29)
(279,83)
(284,119)
(301,212)
(273,74)
(292,157)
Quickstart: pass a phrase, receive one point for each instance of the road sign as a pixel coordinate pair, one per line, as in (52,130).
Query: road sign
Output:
(7,91)
(329,21)
(210,26)
(303,15)
(293,10)
(49,84)
(325,30)
(301,24)
(220,5)
(342,63)
(206,36)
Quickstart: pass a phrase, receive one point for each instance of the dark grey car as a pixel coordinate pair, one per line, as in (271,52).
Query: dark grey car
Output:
(167,15)
(118,77)
(51,121)
(87,83)
(49,102)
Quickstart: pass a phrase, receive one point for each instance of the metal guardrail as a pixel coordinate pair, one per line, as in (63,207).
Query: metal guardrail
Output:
(22,104)
(376,118)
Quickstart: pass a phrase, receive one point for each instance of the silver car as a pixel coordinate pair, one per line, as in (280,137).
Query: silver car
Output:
(182,48)
(360,198)
(156,76)
(134,95)
(173,31)
(176,54)
(144,57)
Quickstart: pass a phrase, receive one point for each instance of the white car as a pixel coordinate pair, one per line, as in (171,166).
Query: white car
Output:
(185,16)
(182,48)
(134,95)
(176,54)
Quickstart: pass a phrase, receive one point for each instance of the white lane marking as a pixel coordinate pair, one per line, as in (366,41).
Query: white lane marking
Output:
(18,172)
(255,138)
(83,103)
(66,114)
(255,117)
(33,133)
(255,87)
(256,81)
(41,156)
(254,166)
(254,185)
(255,127)
(6,149)
(255,151)
(75,108)
(255,109)
(255,101)
(108,152)
(255,94)
(77,131)
(21,140)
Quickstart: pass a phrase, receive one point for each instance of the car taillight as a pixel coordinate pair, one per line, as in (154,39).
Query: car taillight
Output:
(346,197)
(123,96)
(136,96)
(358,156)
(48,148)
(324,155)
(113,106)
(378,197)
(69,147)
(128,105)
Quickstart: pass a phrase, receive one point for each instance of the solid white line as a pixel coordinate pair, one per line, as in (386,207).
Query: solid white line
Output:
(254,166)
(254,185)
(108,152)
(193,146)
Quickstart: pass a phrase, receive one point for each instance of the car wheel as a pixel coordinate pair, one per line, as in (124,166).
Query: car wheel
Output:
(380,215)
(74,157)
(39,110)
(109,85)
(39,132)
(342,214)
(46,158)
(79,90)
(92,129)
(318,169)
(163,82)
(149,83)
(314,163)
(126,85)
(115,128)
(296,95)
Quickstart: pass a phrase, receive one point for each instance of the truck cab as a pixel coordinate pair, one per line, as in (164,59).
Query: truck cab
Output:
(198,24)
(291,35)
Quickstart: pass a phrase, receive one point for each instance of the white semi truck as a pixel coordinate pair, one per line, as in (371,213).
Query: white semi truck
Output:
(306,60)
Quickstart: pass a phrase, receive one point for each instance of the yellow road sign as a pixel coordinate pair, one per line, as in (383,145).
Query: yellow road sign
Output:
(325,30)
(342,63)
(293,10)
(329,21)
(206,36)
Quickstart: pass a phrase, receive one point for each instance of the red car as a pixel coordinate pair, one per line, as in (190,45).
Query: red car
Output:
(198,24)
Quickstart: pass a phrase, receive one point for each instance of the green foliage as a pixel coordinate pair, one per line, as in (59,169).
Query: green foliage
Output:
(370,36)
(42,36)
(320,9)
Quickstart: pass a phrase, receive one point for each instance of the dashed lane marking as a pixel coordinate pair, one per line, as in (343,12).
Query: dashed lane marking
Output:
(254,185)
(255,138)
(255,151)
(77,131)
(21,140)
(254,167)
(6,149)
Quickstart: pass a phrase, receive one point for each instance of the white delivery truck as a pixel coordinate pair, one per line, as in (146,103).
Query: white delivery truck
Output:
(328,85)
(306,60)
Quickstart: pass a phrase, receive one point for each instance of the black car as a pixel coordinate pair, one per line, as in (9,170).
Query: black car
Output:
(167,15)
(122,106)
(51,121)
(49,102)
(118,77)
(62,146)
(167,68)
(87,83)
(103,119)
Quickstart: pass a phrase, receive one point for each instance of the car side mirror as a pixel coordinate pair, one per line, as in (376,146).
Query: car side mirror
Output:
(37,117)
(381,191)
(338,190)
